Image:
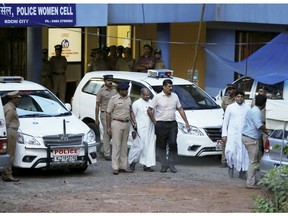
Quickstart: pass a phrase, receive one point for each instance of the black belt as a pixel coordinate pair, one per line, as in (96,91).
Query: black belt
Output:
(14,128)
(121,120)
(59,73)
(103,111)
(248,137)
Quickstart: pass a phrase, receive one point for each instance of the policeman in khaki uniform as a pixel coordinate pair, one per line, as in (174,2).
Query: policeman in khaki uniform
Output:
(159,63)
(119,112)
(58,68)
(46,76)
(12,124)
(102,99)
(229,99)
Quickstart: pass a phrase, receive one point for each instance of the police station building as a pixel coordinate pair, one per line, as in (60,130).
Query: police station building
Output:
(181,31)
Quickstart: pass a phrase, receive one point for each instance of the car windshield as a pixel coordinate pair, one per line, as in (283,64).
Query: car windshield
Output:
(39,103)
(191,97)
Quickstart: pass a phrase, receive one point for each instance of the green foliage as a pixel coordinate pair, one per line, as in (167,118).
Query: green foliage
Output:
(276,191)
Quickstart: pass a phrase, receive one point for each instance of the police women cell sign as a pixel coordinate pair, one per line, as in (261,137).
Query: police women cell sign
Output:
(38,15)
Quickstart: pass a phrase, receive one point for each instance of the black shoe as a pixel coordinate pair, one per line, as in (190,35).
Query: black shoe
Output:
(132,166)
(242,175)
(147,169)
(231,171)
(107,158)
(163,169)
(172,168)
(115,172)
(10,179)
(224,165)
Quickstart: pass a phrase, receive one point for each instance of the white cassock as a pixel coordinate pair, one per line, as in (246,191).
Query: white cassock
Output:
(235,151)
(146,131)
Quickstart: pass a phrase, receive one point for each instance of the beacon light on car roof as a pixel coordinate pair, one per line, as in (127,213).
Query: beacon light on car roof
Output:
(161,73)
(11,79)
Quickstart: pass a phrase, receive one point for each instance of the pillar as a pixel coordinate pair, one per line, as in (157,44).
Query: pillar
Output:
(163,39)
(34,57)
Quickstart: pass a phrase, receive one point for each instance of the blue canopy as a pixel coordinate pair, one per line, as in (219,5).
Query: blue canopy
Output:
(268,65)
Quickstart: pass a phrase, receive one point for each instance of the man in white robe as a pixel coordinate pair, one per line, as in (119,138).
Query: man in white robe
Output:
(235,152)
(143,146)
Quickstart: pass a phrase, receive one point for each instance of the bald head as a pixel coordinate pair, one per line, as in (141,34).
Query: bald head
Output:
(145,94)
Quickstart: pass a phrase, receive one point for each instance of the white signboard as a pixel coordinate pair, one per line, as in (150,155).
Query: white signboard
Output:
(69,38)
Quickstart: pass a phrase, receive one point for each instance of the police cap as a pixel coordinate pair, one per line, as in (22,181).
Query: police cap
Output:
(108,77)
(58,47)
(233,86)
(107,49)
(45,51)
(13,94)
(96,50)
(157,51)
(123,86)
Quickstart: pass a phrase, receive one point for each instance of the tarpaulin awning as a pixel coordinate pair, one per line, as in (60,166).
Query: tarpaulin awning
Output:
(268,65)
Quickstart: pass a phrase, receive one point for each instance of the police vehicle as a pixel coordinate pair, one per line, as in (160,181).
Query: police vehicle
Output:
(204,115)
(4,157)
(50,136)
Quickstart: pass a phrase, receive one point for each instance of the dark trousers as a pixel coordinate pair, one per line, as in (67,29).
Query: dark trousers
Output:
(166,134)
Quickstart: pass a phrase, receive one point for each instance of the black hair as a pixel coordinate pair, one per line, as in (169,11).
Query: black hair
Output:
(239,91)
(167,81)
(260,100)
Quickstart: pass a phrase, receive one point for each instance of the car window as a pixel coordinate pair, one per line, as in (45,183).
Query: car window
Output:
(93,85)
(245,84)
(39,103)
(278,134)
(135,92)
(273,91)
(191,97)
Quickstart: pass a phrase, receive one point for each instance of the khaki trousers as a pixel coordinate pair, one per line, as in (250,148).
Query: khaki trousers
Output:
(120,133)
(252,147)
(106,136)
(59,86)
(11,141)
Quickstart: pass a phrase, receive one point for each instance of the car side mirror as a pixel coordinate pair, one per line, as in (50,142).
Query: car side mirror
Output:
(68,106)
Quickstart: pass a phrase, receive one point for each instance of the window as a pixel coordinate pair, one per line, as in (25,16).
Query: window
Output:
(93,86)
(273,91)
(135,92)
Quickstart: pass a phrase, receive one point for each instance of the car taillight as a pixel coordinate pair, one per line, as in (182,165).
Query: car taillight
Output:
(267,146)
(3,146)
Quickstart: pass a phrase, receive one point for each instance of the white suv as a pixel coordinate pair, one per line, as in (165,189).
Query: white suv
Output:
(204,115)
(50,136)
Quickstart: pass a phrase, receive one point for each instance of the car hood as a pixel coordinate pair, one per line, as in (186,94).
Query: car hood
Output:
(213,118)
(39,127)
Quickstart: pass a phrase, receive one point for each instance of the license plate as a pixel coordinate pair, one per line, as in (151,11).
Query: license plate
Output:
(65,158)
(219,145)
(65,154)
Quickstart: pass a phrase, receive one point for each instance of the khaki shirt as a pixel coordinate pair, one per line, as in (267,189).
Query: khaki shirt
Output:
(103,97)
(119,107)
(226,101)
(58,64)
(45,68)
(125,64)
(160,64)
(11,116)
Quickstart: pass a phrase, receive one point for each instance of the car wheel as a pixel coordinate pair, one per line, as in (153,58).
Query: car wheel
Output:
(78,169)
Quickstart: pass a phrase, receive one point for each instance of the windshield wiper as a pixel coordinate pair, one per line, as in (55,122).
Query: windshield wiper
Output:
(63,114)
(35,115)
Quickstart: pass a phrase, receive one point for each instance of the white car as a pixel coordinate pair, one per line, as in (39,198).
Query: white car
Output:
(204,115)
(50,136)
(4,157)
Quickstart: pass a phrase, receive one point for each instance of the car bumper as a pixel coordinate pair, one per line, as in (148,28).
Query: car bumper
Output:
(267,163)
(196,146)
(38,157)
(4,160)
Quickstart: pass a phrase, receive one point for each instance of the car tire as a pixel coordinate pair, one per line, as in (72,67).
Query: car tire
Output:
(79,169)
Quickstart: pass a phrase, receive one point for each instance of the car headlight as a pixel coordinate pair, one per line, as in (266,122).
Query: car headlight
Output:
(192,130)
(27,140)
(90,136)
